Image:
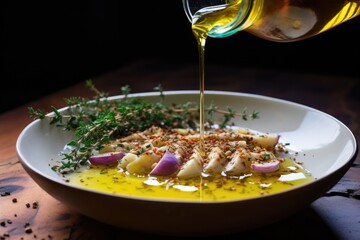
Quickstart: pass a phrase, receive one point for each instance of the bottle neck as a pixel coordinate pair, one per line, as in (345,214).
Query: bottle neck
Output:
(222,18)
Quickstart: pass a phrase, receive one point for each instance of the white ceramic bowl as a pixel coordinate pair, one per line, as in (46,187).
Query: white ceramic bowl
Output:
(326,146)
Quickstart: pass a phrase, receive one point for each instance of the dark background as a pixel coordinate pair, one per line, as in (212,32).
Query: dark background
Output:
(53,44)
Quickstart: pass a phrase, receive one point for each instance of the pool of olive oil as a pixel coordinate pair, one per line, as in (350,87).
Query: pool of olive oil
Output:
(110,180)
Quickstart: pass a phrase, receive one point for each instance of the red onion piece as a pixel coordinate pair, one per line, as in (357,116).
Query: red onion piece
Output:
(266,167)
(166,166)
(106,158)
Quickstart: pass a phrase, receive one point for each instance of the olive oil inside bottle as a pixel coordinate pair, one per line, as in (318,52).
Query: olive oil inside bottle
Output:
(275,20)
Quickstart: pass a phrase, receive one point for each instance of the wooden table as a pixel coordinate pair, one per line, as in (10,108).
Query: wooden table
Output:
(27,212)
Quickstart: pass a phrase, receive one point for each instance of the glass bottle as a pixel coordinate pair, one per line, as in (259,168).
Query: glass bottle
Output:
(274,20)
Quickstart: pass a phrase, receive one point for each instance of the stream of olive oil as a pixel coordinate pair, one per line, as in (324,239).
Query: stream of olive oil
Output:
(200,28)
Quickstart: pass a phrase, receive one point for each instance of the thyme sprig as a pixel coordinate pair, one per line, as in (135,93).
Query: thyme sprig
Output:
(98,121)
